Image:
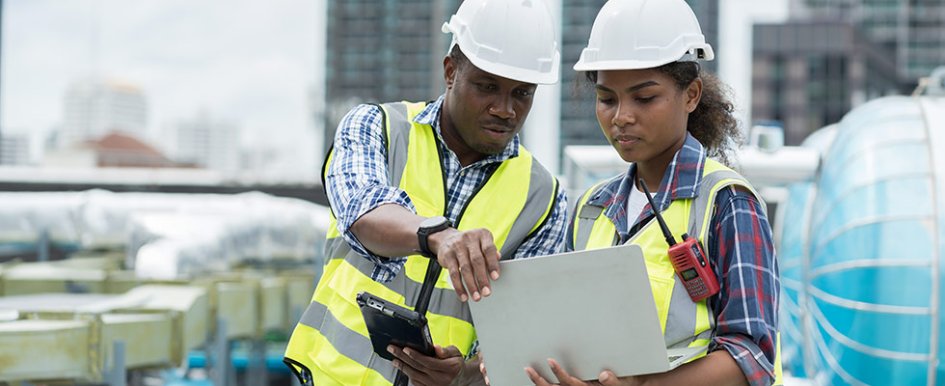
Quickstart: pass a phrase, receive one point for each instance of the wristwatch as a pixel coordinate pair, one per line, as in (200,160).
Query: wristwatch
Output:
(427,228)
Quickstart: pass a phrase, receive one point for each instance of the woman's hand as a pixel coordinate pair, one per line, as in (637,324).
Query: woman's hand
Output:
(608,378)
(564,378)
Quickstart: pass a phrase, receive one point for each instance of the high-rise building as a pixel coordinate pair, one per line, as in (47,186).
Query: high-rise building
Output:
(578,121)
(382,51)
(808,74)
(93,108)
(206,142)
(14,149)
(913,30)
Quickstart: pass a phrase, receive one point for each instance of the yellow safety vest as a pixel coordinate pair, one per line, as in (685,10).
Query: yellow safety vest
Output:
(684,323)
(330,344)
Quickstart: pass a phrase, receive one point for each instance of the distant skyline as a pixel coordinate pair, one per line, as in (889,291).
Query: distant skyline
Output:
(250,62)
(255,63)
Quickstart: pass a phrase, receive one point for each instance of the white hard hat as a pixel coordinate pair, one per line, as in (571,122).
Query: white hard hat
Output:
(513,39)
(638,34)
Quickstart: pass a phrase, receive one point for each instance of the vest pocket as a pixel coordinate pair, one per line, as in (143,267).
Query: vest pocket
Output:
(662,287)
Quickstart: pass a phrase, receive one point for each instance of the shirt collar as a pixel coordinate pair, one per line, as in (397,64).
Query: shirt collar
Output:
(431,116)
(680,181)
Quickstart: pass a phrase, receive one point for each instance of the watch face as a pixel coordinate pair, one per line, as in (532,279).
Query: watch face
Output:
(433,222)
(428,227)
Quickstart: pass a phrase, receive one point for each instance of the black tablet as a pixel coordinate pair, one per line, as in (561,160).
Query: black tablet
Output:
(391,324)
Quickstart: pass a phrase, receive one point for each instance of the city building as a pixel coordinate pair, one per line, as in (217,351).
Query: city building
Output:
(93,108)
(912,30)
(578,121)
(206,142)
(808,74)
(14,149)
(381,51)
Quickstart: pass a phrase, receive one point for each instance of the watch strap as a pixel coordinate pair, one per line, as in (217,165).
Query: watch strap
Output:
(424,232)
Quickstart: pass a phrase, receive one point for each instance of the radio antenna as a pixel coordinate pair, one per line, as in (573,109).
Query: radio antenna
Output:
(669,236)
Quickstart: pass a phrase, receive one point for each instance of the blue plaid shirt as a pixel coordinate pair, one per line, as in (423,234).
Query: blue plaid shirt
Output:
(357,183)
(740,245)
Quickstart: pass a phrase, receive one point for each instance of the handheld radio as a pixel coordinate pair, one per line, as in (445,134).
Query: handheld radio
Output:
(687,258)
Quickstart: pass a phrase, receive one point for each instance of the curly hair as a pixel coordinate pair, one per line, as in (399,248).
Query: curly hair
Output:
(713,121)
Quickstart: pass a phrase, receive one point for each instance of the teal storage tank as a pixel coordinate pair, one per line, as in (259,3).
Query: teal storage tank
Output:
(791,229)
(861,251)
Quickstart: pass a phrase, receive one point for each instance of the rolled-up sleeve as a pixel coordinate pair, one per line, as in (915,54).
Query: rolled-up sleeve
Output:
(357,181)
(747,307)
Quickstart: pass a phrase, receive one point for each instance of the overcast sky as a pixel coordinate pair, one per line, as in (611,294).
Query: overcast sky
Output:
(249,62)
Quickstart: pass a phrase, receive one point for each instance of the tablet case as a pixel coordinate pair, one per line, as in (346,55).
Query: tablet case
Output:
(390,323)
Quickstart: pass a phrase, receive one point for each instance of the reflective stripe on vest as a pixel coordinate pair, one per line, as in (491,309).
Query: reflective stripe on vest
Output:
(685,323)
(331,342)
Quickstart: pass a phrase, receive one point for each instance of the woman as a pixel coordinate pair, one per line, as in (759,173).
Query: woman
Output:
(666,117)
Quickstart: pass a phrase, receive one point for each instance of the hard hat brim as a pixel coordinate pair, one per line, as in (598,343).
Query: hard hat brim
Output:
(587,62)
(521,75)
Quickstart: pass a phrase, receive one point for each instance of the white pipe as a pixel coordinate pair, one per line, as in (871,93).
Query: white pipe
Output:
(542,130)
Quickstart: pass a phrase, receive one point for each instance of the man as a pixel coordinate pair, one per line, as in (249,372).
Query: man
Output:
(447,179)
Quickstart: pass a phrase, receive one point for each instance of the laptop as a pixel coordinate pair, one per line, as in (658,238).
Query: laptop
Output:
(589,310)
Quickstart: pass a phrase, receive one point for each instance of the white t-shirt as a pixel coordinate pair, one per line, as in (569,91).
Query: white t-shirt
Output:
(635,204)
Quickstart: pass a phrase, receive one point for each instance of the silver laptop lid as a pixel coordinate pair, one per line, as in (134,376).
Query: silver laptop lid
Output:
(589,310)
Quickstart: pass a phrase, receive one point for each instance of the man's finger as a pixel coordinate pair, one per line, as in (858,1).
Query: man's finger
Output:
(447,352)
(465,269)
(453,268)
(536,379)
(431,364)
(491,254)
(420,361)
(416,377)
(480,272)
(407,359)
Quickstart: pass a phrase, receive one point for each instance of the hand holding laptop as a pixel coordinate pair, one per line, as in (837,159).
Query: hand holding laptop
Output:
(598,315)
(606,377)
(564,378)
